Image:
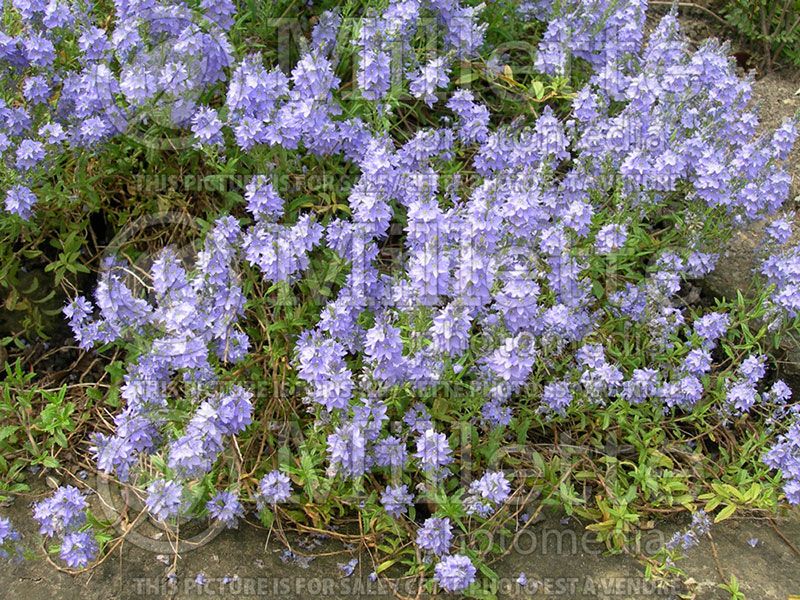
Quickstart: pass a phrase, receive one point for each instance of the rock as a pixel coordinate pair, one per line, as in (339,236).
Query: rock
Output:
(774,95)
(736,272)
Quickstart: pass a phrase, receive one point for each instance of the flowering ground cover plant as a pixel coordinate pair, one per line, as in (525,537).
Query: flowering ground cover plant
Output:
(491,295)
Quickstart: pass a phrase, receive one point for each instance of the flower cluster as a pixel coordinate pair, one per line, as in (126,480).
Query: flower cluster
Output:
(225,507)
(190,325)
(498,270)
(689,538)
(83,83)
(388,35)
(500,286)
(501,279)
(605,33)
(782,271)
(9,540)
(455,573)
(485,493)
(785,455)
(64,515)
(274,487)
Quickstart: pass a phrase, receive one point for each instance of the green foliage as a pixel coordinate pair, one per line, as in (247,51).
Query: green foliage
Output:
(35,424)
(772,26)
(732,587)
(613,466)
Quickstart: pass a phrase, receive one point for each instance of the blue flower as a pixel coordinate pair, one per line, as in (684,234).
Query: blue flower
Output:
(275,487)
(78,549)
(164,499)
(454,573)
(435,536)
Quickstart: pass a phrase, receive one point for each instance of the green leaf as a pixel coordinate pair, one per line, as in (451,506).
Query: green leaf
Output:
(267,518)
(7,431)
(49,461)
(725,513)
(384,565)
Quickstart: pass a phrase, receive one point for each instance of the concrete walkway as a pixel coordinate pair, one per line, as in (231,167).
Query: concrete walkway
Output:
(559,558)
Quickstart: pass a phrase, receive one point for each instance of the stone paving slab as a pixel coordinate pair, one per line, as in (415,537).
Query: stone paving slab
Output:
(558,556)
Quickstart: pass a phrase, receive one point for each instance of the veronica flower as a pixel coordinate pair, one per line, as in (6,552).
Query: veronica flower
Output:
(513,361)
(263,201)
(435,536)
(742,396)
(430,77)
(62,512)
(383,349)
(418,418)
(281,252)
(347,450)
(396,500)
(29,154)
(697,362)
(326,30)
(779,392)
(322,366)
(39,50)
(780,230)
(390,452)
(495,413)
(473,118)
(78,549)
(785,455)
(274,488)
(641,386)
(220,12)
(433,451)
(557,396)
(164,499)
(36,89)
(711,327)
(233,410)
(374,75)
(207,127)
(9,536)
(20,201)
(225,507)
(753,368)
(490,490)
(610,238)
(94,44)
(455,573)
(53,133)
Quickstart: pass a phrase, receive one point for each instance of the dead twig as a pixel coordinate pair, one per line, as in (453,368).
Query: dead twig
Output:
(786,540)
(693,6)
